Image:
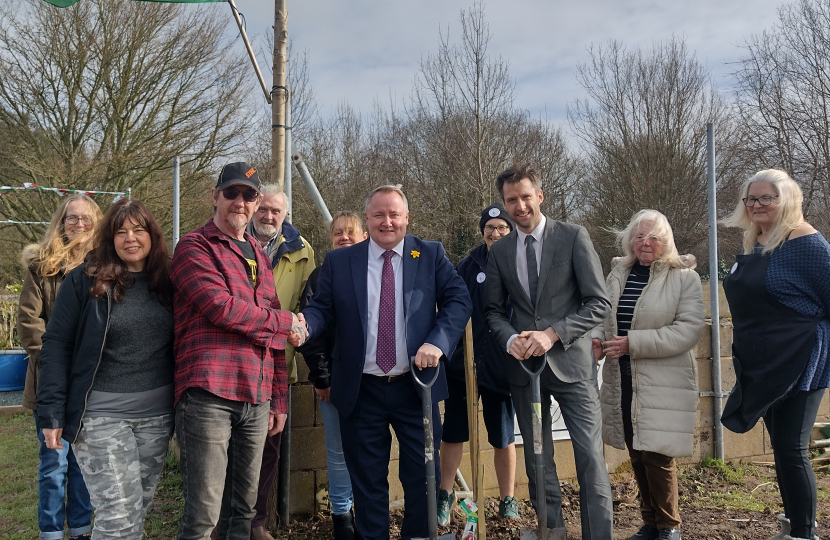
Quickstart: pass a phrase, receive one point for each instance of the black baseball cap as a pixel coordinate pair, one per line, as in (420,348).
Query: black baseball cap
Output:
(239,173)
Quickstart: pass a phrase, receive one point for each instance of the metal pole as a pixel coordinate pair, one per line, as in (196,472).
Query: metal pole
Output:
(312,187)
(284,478)
(714,303)
(250,50)
(287,189)
(176,195)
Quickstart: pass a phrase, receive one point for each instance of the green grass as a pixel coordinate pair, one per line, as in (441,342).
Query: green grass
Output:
(733,473)
(18,490)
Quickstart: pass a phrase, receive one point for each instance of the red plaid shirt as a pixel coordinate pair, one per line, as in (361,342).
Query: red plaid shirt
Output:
(229,338)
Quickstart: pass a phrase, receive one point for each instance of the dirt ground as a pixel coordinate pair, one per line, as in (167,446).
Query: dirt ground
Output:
(718,502)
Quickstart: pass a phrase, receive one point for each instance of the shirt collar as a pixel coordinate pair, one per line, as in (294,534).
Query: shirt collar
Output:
(376,252)
(536,233)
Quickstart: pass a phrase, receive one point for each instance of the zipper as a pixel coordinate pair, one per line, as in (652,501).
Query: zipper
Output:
(100,357)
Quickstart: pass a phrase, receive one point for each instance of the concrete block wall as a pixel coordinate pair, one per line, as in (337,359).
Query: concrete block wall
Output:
(309,479)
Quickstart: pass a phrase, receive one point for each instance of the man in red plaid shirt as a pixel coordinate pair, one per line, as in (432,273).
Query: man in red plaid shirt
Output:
(230,376)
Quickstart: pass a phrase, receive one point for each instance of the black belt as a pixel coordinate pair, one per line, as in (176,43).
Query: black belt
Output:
(389,378)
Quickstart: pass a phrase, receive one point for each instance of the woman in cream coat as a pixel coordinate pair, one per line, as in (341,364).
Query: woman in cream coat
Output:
(649,391)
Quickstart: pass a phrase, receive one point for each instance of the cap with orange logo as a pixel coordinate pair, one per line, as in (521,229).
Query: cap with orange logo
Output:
(239,173)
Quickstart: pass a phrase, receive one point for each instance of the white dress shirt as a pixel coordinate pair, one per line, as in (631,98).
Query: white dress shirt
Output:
(373,283)
(521,259)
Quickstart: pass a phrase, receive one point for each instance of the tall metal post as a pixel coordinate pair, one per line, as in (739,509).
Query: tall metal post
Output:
(288,197)
(176,195)
(714,303)
(297,158)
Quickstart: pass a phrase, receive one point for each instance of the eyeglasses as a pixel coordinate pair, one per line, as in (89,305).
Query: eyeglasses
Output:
(73,220)
(249,195)
(764,200)
(503,229)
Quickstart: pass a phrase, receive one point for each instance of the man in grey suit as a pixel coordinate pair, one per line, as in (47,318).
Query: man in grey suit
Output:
(552,275)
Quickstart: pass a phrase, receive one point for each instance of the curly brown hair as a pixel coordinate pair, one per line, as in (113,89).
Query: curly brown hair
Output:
(109,271)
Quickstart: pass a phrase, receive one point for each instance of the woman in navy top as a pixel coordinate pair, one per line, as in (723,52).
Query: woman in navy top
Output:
(779,296)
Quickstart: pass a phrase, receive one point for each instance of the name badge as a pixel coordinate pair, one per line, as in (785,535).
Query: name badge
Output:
(481,277)
(734,267)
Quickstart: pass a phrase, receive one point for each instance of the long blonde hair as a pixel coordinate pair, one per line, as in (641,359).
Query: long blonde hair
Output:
(54,253)
(788,218)
(660,229)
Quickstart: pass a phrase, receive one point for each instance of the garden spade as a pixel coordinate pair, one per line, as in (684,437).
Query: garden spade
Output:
(542,531)
(429,452)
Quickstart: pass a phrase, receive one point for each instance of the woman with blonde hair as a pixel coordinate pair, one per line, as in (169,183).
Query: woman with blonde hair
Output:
(656,320)
(779,296)
(346,230)
(62,494)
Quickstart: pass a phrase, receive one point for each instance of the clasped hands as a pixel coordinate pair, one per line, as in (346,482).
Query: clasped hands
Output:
(533,343)
(299,330)
(614,348)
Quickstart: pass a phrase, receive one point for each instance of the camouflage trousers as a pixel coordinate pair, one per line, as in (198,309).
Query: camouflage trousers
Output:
(121,460)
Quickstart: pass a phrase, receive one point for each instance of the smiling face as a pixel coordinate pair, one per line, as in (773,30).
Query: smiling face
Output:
(647,247)
(78,210)
(763,216)
(132,245)
(387,219)
(270,216)
(523,202)
(345,233)
(494,229)
(232,215)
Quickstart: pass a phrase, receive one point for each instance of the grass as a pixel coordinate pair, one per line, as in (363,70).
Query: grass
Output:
(18,490)
(720,485)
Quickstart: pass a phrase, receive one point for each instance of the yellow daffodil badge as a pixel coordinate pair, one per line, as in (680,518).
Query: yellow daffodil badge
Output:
(415,253)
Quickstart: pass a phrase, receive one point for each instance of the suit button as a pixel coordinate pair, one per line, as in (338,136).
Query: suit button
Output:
(538,318)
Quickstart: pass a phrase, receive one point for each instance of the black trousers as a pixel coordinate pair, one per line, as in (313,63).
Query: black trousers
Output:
(790,422)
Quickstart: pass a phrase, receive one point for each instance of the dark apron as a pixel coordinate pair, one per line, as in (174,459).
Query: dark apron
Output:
(771,346)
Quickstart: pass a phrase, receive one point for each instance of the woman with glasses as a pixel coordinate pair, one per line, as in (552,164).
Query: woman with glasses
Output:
(491,374)
(62,494)
(779,295)
(106,383)
(649,379)
(346,230)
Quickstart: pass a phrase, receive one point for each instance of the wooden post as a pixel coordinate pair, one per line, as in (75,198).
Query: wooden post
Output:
(278,93)
(476,465)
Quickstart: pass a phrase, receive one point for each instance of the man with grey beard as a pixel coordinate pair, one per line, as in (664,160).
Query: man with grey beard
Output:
(292,259)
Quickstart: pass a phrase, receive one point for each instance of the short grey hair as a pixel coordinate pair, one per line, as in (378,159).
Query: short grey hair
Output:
(386,189)
(271,188)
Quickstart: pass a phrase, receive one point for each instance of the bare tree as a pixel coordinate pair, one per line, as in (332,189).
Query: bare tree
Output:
(643,133)
(783,93)
(103,95)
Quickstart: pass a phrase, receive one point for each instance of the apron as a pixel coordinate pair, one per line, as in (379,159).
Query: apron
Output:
(771,346)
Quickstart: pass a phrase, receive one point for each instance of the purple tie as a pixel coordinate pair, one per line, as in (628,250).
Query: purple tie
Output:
(386,355)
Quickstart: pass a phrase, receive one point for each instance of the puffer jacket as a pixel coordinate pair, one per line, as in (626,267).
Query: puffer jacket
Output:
(668,322)
(33,311)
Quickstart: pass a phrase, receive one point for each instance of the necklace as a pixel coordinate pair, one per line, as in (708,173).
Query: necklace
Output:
(634,269)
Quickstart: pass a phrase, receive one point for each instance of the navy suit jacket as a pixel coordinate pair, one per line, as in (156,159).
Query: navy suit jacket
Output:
(436,305)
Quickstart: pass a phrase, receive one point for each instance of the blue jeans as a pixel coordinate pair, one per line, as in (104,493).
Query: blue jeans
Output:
(62,494)
(340,485)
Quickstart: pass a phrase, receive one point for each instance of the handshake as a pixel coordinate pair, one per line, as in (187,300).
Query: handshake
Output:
(299,331)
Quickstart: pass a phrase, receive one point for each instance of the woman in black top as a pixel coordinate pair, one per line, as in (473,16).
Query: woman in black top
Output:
(107,378)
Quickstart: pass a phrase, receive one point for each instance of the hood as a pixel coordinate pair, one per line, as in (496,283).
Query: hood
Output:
(29,254)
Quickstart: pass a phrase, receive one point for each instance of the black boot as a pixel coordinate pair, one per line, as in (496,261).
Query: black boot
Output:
(344,527)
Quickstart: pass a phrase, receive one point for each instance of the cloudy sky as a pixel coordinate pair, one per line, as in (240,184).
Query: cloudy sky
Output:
(361,51)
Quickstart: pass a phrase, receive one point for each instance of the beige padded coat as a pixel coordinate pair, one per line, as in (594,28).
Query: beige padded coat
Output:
(667,324)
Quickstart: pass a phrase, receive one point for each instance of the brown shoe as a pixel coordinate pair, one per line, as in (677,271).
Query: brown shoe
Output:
(259,533)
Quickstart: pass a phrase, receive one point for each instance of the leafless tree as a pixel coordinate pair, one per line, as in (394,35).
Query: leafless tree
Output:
(642,127)
(783,94)
(102,95)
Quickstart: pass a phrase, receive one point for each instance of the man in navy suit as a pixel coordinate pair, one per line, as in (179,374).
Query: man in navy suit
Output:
(390,298)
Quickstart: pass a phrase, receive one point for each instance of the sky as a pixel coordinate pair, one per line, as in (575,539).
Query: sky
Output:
(363,51)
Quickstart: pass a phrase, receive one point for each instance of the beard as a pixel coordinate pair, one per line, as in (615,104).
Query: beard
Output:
(237,221)
(266,231)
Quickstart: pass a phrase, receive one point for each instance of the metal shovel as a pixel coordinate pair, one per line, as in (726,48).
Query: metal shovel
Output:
(429,452)
(542,531)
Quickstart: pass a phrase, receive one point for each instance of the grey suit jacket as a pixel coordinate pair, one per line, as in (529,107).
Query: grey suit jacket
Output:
(571,298)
